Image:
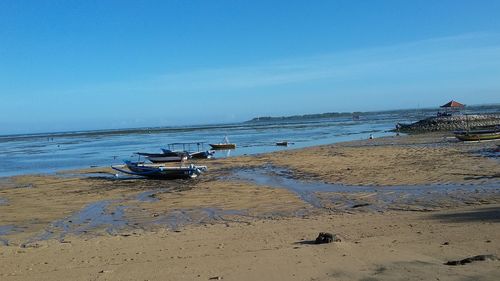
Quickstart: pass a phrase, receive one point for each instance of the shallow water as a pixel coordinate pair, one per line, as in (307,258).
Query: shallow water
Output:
(117,216)
(94,216)
(320,194)
(48,153)
(490,153)
(5,230)
(111,216)
(149,196)
(3,201)
(52,152)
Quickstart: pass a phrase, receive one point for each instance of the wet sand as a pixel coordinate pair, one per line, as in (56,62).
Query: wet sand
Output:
(402,206)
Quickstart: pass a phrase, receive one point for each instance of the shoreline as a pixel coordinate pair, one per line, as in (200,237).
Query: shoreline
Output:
(260,210)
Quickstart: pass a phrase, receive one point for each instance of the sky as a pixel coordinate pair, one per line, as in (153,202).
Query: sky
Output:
(80,65)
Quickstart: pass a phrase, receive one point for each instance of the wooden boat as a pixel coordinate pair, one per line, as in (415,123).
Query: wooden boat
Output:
(218,146)
(198,152)
(478,135)
(202,154)
(225,144)
(165,156)
(160,171)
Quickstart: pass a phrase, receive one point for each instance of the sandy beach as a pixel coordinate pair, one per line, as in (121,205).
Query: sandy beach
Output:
(401,206)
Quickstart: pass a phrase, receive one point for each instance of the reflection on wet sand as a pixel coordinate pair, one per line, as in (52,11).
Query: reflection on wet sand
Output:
(287,184)
(379,198)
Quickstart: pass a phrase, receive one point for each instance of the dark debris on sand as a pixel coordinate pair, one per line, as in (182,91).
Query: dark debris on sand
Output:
(473,259)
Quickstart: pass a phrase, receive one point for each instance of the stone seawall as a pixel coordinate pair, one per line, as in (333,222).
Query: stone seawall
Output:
(451,123)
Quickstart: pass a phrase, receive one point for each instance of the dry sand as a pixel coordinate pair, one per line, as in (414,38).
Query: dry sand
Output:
(223,227)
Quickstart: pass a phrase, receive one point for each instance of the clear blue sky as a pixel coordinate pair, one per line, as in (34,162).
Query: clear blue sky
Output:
(71,65)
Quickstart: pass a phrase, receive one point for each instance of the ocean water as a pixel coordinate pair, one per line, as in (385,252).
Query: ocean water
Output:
(49,153)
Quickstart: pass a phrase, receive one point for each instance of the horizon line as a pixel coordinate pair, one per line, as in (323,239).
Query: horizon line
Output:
(159,128)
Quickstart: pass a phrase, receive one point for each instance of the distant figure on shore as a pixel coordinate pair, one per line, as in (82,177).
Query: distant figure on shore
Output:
(370,137)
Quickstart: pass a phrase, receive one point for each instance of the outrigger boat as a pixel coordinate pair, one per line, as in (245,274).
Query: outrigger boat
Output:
(165,156)
(160,171)
(196,155)
(187,147)
(225,144)
(478,135)
(202,154)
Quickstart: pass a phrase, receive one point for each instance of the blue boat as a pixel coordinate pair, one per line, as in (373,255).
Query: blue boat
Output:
(160,171)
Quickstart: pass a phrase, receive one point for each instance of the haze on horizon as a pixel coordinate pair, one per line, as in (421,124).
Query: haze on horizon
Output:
(79,65)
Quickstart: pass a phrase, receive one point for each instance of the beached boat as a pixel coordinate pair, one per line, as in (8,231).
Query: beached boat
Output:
(194,150)
(196,155)
(202,154)
(225,144)
(478,135)
(165,156)
(160,171)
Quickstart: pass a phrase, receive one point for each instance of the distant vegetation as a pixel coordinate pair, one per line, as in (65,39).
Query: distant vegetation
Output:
(468,109)
(306,116)
(327,115)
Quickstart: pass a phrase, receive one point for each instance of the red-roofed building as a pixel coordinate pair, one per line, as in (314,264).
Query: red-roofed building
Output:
(453,104)
(450,107)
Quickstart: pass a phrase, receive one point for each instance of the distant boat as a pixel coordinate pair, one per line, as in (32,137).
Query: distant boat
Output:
(225,144)
(478,135)
(218,146)
(165,156)
(282,143)
(160,172)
